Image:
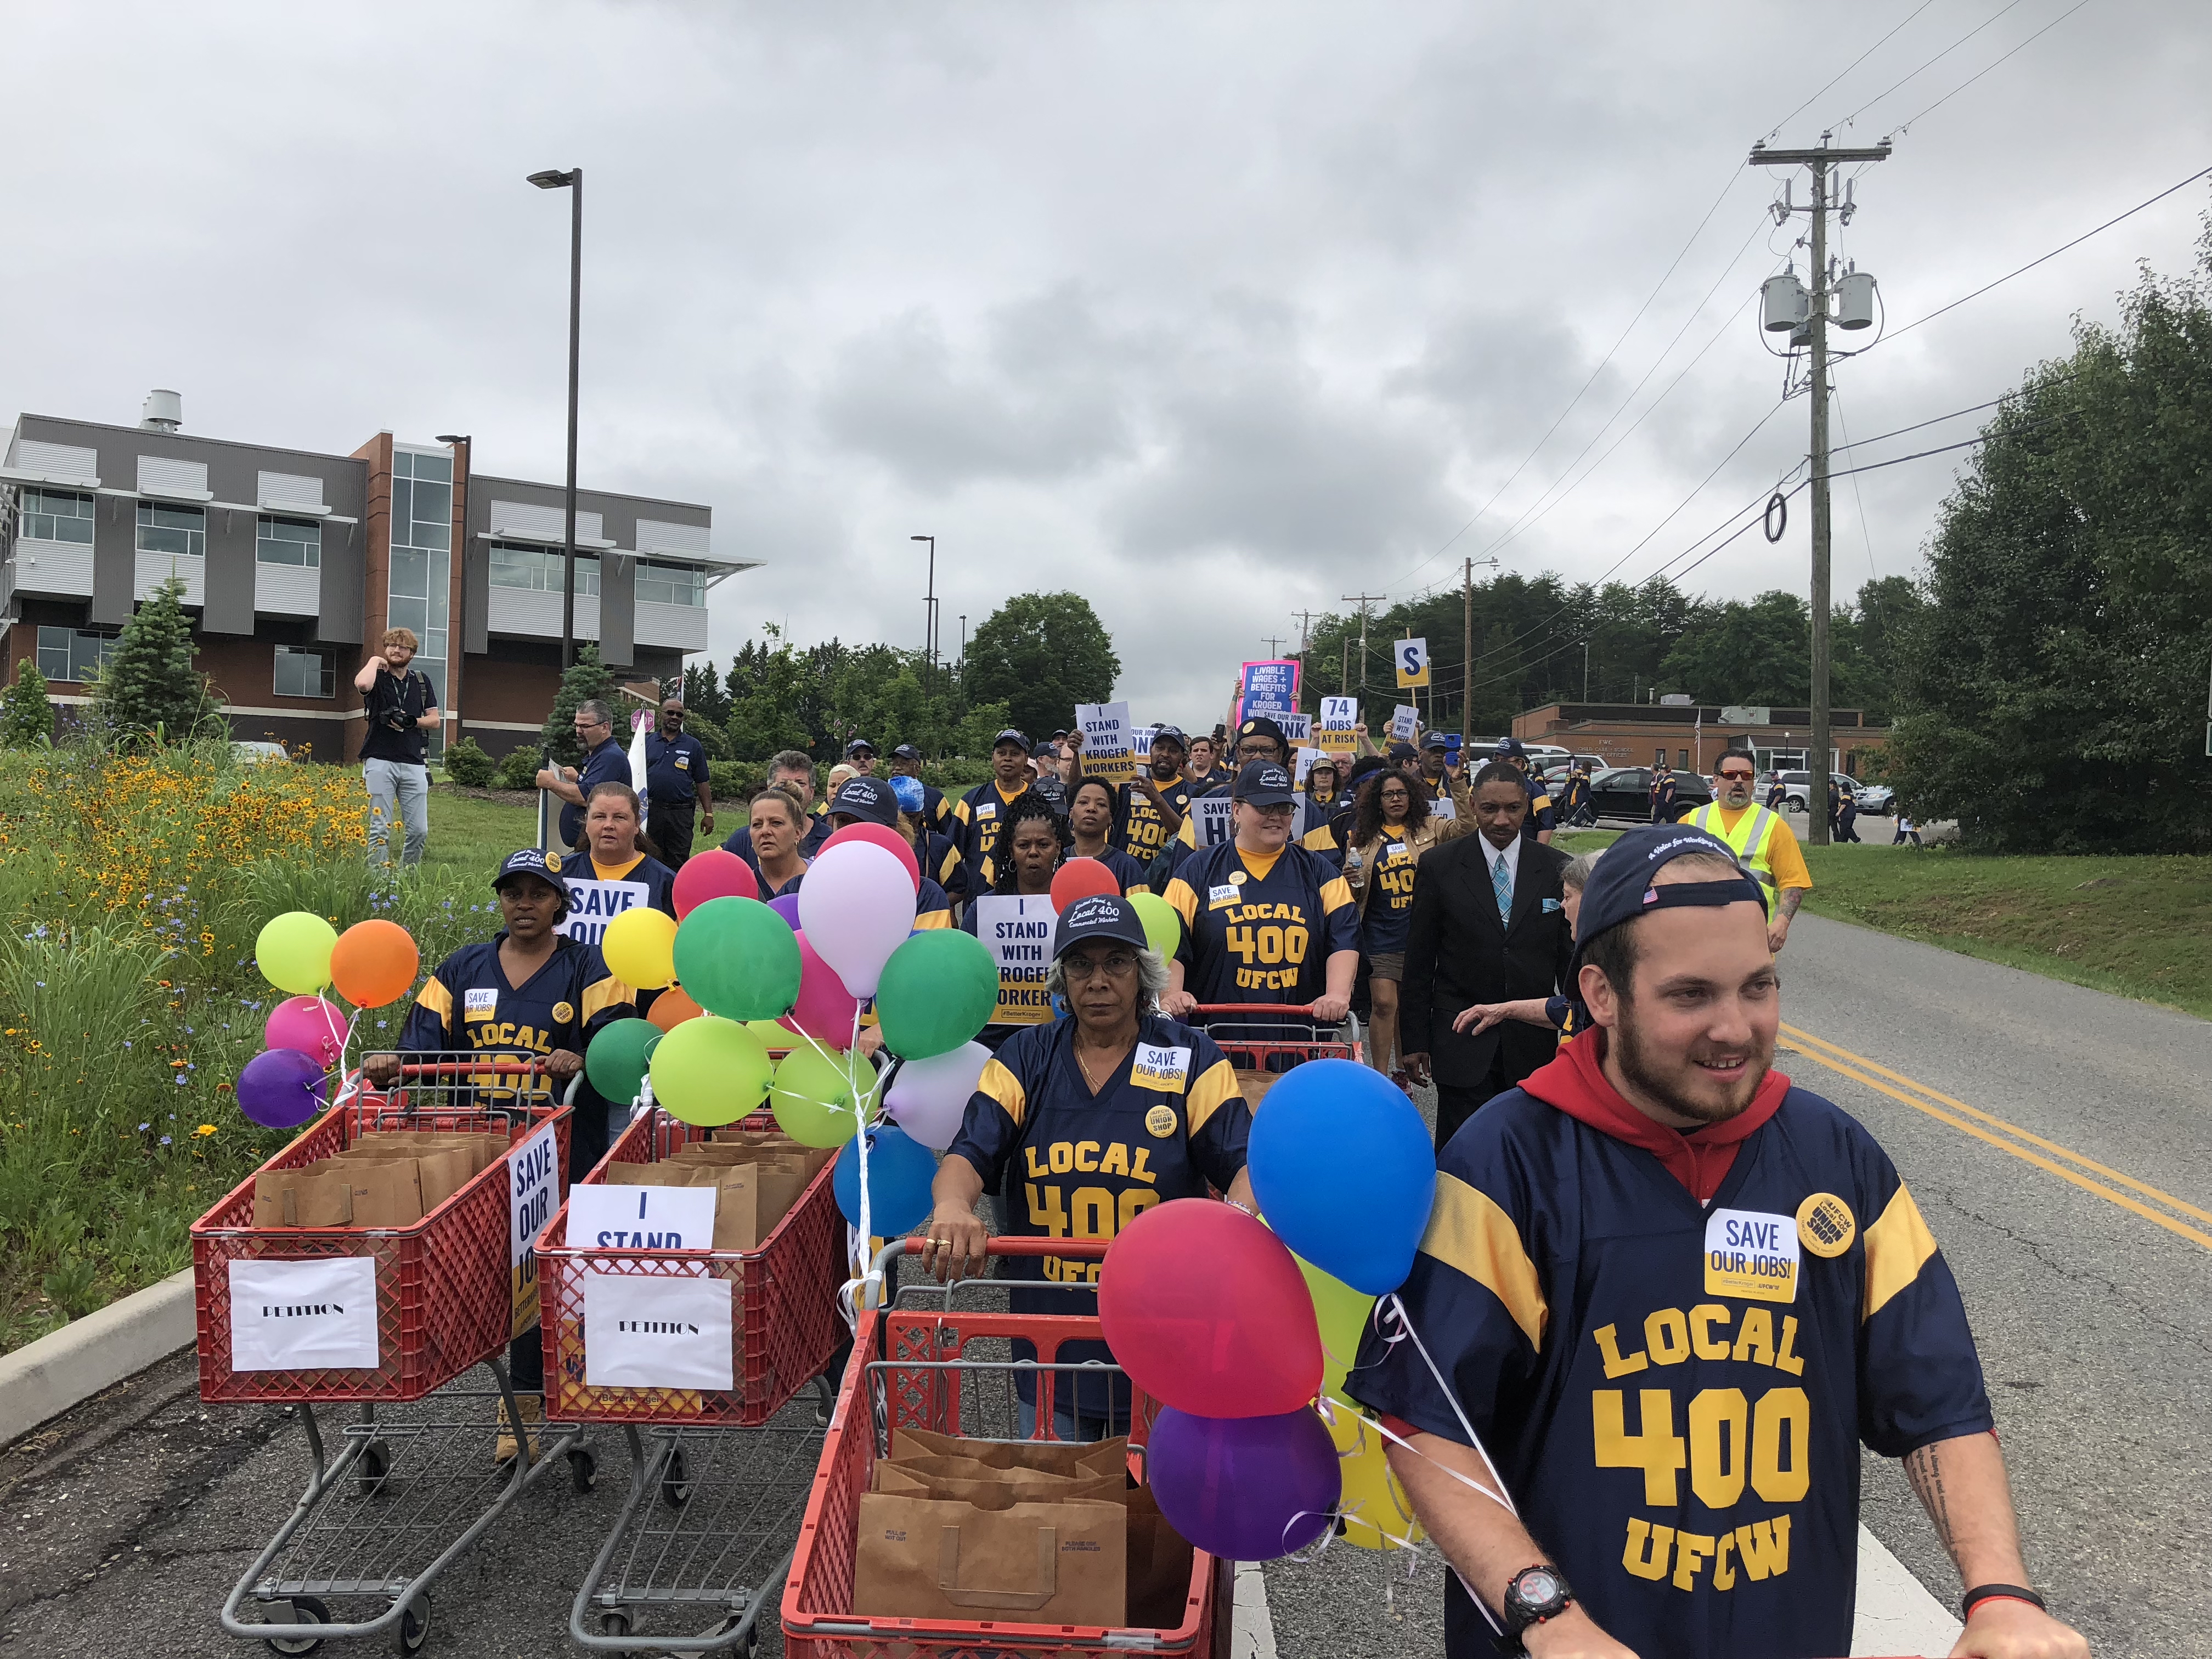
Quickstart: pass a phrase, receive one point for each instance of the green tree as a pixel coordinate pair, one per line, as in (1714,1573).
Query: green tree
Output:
(586,679)
(1760,652)
(2050,693)
(1040,654)
(704,692)
(27,719)
(148,691)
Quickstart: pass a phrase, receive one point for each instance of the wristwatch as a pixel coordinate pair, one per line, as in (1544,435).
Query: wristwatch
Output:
(1534,1595)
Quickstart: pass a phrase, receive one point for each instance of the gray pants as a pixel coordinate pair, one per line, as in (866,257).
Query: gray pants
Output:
(397,789)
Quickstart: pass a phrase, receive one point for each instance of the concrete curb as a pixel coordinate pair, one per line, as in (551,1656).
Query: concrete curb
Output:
(41,1380)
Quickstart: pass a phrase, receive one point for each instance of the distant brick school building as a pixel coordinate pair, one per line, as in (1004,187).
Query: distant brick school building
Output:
(295,562)
(1691,737)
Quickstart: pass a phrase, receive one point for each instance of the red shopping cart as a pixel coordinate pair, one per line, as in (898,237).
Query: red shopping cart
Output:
(919,1366)
(1263,1040)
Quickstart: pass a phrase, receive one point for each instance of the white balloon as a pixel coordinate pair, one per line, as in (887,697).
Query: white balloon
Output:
(929,1097)
(856,907)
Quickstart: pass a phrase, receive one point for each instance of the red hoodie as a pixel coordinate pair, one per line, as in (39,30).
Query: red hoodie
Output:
(1577,1084)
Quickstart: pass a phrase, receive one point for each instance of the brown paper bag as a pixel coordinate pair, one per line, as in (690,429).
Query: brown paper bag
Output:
(1045,1564)
(1057,1456)
(1254,1085)
(989,1487)
(1160,1566)
(384,1195)
(313,1196)
(663,1174)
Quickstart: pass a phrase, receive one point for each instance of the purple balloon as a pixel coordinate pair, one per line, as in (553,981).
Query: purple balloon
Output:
(281,1089)
(787,907)
(1245,1488)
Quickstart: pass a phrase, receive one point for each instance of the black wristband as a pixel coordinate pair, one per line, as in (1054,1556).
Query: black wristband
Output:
(1985,1592)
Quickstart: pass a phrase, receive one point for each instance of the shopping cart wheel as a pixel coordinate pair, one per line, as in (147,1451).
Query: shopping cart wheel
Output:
(414,1626)
(583,1469)
(375,1463)
(675,1481)
(306,1610)
(614,1622)
(747,1646)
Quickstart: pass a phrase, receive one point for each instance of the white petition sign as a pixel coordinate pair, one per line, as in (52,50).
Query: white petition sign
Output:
(657,1332)
(641,1218)
(1209,820)
(317,1315)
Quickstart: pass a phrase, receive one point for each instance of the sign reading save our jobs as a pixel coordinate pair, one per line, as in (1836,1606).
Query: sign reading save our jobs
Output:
(1017,933)
(1338,716)
(1271,687)
(1411,657)
(1108,748)
(533,1191)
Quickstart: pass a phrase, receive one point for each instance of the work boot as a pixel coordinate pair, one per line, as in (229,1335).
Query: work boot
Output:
(532,1409)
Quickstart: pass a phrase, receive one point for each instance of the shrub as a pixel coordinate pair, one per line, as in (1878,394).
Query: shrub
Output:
(518,770)
(27,719)
(148,691)
(468,765)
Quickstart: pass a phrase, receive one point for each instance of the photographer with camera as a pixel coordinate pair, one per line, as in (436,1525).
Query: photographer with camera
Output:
(400,705)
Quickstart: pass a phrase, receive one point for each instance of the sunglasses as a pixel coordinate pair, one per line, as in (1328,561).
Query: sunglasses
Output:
(1736,777)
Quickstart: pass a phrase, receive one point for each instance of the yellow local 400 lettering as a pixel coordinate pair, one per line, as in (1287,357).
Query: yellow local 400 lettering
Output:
(1752,1254)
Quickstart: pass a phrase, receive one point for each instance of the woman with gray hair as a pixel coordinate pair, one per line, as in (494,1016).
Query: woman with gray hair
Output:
(1082,1125)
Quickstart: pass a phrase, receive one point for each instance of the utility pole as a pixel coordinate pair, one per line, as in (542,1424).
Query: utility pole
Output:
(1362,600)
(1275,645)
(1305,629)
(1821,159)
(1466,652)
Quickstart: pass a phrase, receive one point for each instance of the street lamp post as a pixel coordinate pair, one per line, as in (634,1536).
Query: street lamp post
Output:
(929,602)
(573,181)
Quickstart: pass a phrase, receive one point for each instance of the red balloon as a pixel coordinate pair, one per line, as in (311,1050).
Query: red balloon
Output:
(1080,878)
(884,837)
(825,1008)
(1235,1341)
(715,873)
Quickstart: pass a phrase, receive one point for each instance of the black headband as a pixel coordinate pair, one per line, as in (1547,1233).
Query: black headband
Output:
(1705,894)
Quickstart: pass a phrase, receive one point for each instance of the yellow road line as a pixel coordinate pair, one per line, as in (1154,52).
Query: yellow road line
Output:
(1803,1038)
(1804,1041)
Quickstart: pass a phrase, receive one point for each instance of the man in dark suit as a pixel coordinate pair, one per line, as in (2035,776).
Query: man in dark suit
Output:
(1488,925)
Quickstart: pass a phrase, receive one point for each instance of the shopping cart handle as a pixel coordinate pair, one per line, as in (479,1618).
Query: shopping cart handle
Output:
(1301,1010)
(459,1068)
(1093,1250)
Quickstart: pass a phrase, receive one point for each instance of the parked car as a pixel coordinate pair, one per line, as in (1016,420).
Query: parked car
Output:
(1876,798)
(253,753)
(1625,792)
(1799,784)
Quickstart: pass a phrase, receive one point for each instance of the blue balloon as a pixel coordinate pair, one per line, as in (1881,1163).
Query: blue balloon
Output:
(900,1171)
(1345,1171)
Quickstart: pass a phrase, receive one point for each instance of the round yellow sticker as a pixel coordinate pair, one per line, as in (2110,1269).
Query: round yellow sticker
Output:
(1160,1121)
(563,1012)
(553,862)
(1826,1225)
(1236,877)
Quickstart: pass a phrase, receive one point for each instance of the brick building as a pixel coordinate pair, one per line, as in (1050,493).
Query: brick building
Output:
(1692,736)
(296,562)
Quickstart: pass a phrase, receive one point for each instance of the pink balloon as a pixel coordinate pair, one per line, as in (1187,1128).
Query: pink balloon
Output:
(857,906)
(884,837)
(1234,1340)
(825,1008)
(313,1026)
(715,873)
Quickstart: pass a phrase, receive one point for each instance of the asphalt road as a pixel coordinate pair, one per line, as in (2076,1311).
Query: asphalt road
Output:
(123,1527)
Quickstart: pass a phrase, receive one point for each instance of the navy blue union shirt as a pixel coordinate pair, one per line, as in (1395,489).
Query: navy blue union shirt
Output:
(1675,1393)
(673,768)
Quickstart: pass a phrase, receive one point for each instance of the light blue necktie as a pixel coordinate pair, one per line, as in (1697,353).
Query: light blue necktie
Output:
(1501,881)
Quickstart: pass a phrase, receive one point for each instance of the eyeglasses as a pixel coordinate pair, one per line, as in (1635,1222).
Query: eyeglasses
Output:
(1735,777)
(1115,964)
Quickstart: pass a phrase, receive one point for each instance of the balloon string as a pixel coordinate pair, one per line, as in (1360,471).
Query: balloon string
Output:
(861,1249)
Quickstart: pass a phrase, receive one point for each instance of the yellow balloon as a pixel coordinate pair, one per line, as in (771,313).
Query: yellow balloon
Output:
(1376,1513)
(640,948)
(294,951)
(710,1071)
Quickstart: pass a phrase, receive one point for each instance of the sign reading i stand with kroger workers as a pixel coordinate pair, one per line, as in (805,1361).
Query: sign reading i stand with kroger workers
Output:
(1108,746)
(1271,689)
(1017,931)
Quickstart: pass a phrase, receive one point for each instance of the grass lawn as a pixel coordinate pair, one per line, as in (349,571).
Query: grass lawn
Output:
(471,830)
(2135,927)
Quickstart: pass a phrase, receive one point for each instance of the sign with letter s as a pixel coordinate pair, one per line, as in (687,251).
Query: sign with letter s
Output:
(1413,660)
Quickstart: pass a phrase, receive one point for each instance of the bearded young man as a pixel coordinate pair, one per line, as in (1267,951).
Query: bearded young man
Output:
(1672,1292)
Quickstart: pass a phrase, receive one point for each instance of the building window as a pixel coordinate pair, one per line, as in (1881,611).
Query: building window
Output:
(1681,760)
(56,515)
(304,673)
(289,541)
(70,653)
(419,596)
(670,584)
(538,568)
(165,529)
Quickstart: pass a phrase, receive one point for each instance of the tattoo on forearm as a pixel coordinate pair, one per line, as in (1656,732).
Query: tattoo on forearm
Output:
(1924,1469)
(1791,898)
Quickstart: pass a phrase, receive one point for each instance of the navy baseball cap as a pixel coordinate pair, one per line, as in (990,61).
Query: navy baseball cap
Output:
(1101,915)
(1174,735)
(1622,886)
(1435,740)
(906,752)
(1010,735)
(868,799)
(1507,746)
(908,793)
(1403,751)
(1263,783)
(858,745)
(538,862)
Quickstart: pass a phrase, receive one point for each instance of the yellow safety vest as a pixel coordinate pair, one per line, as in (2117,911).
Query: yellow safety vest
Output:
(1753,841)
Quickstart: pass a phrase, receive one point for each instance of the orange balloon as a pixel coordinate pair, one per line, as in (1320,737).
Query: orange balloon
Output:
(375,963)
(671,1008)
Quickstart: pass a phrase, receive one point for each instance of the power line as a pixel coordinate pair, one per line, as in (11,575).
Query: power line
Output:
(2053,254)
(1930,63)
(1846,69)
(1970,80)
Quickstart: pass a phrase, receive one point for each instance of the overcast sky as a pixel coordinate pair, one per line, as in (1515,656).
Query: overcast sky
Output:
(1211,313)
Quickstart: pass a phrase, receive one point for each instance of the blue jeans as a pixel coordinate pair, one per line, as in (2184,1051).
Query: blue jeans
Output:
(401,790)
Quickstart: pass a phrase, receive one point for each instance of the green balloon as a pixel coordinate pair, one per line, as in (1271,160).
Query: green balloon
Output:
(812,1095)
(1342,1313)
(710,1071)
(1163,926)
(738,958)
(937,991)
(616,1061)
(294,951)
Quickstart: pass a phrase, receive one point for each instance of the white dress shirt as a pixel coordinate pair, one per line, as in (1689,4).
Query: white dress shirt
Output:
(1510,857)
